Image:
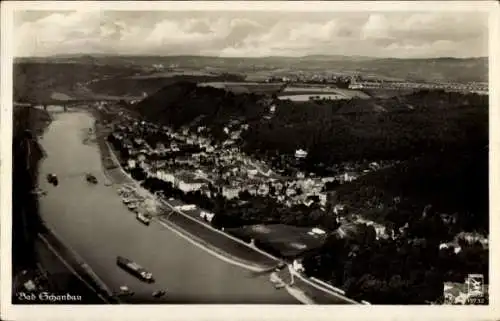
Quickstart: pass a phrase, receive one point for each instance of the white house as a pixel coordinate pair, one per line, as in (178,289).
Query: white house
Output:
(300,175)
(349,177)
(291,192)
(164,176)
(201,174)
(131,163)
(186,207)
(141,157)
(318,231)
(230,192)
(322,198)
(189,186)
(374,166)
(300,153)
(207,216)
(252,172)
(297,266)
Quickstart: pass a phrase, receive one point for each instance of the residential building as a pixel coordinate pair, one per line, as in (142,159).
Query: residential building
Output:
(131,163)
(300,154)
(231,192)
(164,176)
(190,185)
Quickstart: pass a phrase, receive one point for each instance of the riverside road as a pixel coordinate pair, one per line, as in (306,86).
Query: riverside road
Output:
(94,223)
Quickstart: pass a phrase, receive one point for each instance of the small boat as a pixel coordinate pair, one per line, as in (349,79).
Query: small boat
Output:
(52,179)
(143,218)
(38,191)
(159,293)
(280,266)
(91,178)
(125,291)
(131,200)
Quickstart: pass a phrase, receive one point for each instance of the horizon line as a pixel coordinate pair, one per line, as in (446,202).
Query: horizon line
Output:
(97,55)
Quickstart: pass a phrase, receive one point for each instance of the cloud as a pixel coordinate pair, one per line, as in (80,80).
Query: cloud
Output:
(247,34)
(377,27)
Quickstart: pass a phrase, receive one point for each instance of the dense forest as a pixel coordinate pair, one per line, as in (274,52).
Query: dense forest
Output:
(410,270)
(454,183)
(349,130)
(136,86)
(185,103)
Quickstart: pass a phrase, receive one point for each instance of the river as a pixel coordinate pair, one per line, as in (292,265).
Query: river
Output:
(94,223)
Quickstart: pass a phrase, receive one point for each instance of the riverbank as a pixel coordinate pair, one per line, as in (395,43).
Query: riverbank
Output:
(36,250)
(26,155)
(216,242)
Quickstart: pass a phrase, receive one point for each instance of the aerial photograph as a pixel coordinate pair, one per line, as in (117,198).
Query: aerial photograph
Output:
(250,157)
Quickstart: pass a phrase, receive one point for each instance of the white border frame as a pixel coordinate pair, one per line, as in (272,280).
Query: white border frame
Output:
(242,312)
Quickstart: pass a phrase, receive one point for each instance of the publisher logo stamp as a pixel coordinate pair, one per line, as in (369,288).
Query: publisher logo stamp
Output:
(475,285)
(472,291)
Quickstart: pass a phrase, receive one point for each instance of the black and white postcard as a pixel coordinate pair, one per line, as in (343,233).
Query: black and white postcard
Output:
(209,160)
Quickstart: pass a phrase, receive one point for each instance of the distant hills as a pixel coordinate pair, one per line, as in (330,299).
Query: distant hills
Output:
(90,75)
(181,57)
(425,69)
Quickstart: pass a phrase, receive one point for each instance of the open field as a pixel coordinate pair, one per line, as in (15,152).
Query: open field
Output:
(306,97)
(322,91)
(352,93)
(220,241)
(279,239)
(245,87)
(167,74)
(309,89)
(60,96)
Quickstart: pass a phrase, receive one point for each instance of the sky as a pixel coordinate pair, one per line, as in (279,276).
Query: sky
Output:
(251,34)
